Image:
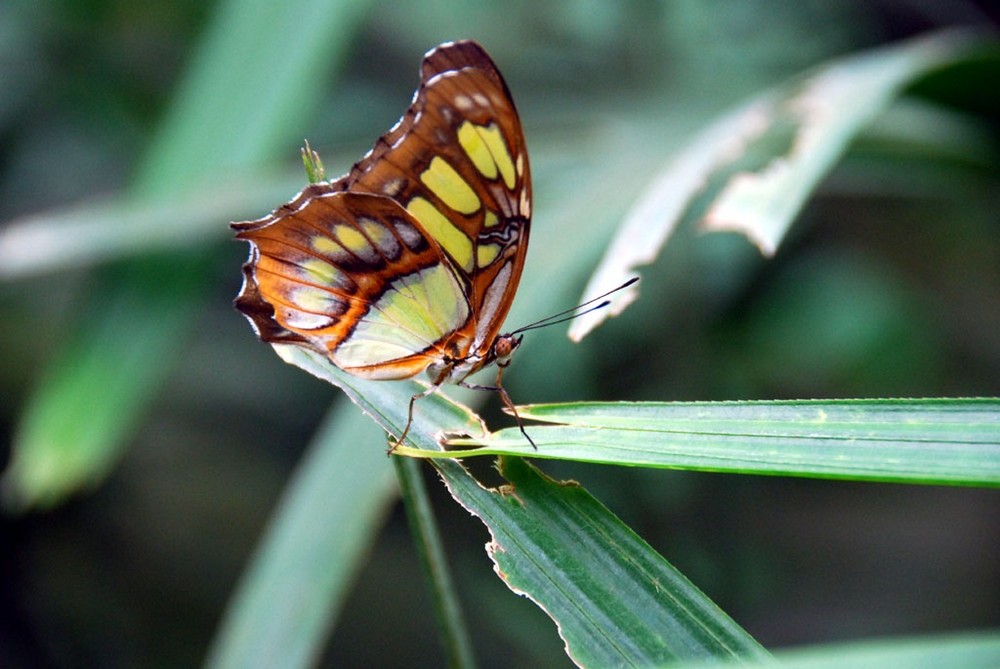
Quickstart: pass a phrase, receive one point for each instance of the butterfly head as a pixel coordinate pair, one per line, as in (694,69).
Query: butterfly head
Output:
(504,347)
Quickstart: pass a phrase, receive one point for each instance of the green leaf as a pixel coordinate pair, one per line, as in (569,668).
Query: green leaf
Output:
(757,165)
(615,601)
(933,441)
(966,650)
(696,628)
(962,651)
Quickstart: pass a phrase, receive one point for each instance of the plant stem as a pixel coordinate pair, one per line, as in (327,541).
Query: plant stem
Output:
(427,538)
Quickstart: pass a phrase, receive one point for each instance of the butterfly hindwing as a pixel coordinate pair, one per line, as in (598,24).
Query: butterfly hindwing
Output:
(353,275)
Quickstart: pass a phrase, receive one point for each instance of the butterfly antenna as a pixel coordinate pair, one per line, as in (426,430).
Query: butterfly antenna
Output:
(570,314)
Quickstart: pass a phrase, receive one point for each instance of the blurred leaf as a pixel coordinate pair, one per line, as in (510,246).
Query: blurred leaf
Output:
(935,441)
(962,651)
(616,602)
(56,451)
(968,650)
(244,100)
(760,163)
(240,102)
(98,232)
(259,633)
(337,480)
(290,595)
(823,113)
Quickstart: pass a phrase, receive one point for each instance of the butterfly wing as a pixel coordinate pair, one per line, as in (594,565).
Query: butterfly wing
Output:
(414,256)
(353,277)
(458,162)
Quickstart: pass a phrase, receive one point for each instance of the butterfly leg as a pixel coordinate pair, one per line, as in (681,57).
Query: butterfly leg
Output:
(505,398)
(409,416)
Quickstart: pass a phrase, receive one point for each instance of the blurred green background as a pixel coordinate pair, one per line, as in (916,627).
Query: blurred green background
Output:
(888,286)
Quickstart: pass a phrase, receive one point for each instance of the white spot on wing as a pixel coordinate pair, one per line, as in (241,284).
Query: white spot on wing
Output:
(393,187)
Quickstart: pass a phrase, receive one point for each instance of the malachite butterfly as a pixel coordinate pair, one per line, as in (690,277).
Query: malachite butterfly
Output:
(409,262)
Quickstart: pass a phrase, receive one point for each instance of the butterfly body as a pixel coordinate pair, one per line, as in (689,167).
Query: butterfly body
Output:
(408,263)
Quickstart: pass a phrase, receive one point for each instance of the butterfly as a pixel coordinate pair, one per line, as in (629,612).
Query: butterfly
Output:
(408,263)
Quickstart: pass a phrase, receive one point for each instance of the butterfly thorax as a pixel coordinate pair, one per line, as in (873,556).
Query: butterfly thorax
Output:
(455,368)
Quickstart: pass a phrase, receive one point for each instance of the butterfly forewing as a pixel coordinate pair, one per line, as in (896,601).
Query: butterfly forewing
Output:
(457,162)
(413,257)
